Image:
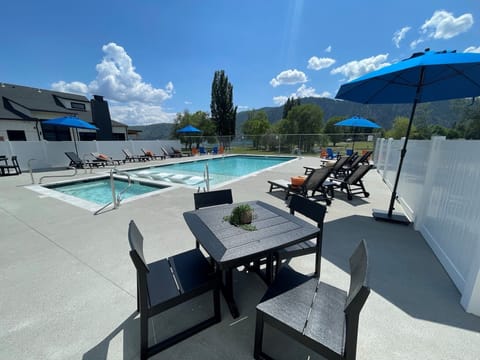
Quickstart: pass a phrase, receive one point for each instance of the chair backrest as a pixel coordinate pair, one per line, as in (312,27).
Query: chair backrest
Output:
(340,162)
(212,198)
(201,149)
(316,178)
(330,153)
(127,153)
(357,295)
(73,157)
(349,152)
(357,174)
(135,239)
(308,208)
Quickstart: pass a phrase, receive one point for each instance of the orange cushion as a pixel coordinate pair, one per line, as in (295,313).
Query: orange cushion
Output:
(148,153)
(297,180)
(103,157)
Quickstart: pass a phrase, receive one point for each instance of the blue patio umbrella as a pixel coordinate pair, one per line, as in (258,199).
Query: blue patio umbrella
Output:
(424,77)
(189,129)
(357,122)
(71,122)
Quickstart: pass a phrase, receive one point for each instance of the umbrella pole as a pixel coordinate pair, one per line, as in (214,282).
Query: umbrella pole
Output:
(75,141)
(390,216)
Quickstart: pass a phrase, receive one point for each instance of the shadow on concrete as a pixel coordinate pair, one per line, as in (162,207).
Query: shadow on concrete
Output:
(404,270)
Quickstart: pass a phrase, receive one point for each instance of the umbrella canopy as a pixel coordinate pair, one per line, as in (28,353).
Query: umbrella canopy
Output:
(424,77)
(189,129)
(357,122)
(71,122)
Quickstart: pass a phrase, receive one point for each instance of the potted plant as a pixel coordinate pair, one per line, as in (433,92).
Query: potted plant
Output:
(242,215)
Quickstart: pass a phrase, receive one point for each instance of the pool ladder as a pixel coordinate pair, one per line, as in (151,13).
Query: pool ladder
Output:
(116,198)
(206,179)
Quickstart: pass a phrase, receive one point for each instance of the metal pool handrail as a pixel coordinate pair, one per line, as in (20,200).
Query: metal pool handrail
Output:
(116,198)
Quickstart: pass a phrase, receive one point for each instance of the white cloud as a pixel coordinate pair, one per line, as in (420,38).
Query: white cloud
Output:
(443,25)
(356,68)
(399,35)
(138,113)
(472,49)
(328,49)
(301,92)
(133,101)
(317,63)
(289,77)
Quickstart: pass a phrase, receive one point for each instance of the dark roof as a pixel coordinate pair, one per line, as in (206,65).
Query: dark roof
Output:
(17,101)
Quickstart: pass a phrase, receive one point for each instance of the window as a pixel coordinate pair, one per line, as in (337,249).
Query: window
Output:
(77,106)
(16,135)
(118,136)
(56,133)
(87,136)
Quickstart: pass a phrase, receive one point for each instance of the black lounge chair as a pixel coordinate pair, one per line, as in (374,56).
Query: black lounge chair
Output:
(107,160)
(132,158)
(318,315)
(170,154)
(359,160)
(165,283)
(316,181)
(353,183)
(314,211)
(78,163)
(5,169)
(152,155)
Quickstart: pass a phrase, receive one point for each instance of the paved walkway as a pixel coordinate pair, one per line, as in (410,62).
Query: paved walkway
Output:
(68,284)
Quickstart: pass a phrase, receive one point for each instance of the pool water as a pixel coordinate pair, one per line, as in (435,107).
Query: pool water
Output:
(99,191)
(220,169)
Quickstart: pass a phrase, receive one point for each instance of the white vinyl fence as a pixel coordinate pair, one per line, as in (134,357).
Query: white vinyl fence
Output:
(439,190)
(51,154)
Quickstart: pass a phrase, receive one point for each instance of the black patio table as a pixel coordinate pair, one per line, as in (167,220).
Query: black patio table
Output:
(231,246)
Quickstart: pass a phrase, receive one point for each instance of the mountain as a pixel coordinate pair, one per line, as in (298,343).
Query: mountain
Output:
(445,113)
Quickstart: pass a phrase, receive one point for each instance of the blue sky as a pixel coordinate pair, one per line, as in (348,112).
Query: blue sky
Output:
(152,59)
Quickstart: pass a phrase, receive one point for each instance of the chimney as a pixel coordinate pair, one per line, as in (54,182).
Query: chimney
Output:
(101,118)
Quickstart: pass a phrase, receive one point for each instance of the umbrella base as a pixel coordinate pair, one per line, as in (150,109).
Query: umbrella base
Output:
(396,217)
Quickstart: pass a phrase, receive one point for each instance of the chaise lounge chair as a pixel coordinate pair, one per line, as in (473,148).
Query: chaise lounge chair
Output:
(353,183)
(107,160)
(317,181)
(5,169)
(78,163)
(132,158)
(152,155)
(169,154)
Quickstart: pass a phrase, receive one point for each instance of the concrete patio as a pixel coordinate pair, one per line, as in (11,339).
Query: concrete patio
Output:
(69,286)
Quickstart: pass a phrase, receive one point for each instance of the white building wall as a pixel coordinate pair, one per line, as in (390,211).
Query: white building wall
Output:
(29,127)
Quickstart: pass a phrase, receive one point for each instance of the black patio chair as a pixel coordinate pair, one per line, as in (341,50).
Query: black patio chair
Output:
(166,283)
(314,211)
(78,163)
(212,198)
(320,316)
(5,169)
(353,183)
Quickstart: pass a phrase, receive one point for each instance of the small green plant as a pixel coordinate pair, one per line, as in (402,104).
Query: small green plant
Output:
(242,216)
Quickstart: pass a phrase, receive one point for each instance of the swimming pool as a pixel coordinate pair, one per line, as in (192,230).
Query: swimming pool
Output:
(221,169)
(92,193)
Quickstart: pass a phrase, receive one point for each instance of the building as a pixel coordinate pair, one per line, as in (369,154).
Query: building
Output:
(22,110)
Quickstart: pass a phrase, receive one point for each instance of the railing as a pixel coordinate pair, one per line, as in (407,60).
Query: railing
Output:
(116,198)
(53,176)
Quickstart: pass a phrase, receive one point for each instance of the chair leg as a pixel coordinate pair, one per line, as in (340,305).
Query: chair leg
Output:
(143,336)
(257,350)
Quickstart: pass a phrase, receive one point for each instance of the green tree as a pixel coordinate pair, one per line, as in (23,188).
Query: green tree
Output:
(333,132)
(221,106)
(301,120)
(200,120)
(289,104)
(256,125)
(399,128)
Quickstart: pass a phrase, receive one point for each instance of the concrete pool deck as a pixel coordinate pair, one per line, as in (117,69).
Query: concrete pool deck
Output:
(68,284)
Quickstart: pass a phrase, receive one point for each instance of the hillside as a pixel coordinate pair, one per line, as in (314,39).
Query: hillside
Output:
(444,113)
